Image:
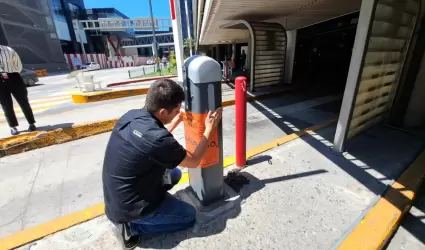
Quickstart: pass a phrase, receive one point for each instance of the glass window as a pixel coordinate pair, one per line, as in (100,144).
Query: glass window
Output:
(57,11)
(58,15)
(76,12)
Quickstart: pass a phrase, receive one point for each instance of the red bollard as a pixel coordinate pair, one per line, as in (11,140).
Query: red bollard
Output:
(240,106)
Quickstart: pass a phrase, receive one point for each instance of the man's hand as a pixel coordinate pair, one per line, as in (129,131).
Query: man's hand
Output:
(213,119)
(193,159)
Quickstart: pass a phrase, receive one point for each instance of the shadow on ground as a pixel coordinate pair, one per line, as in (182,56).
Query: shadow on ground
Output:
(414,220)
(52,127)
(218,224)
(35,85)
(375,159)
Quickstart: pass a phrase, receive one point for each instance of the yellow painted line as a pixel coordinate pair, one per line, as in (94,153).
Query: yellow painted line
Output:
(380,223)
(34,233)
(40,108)
(61,223)
(51,99)
(68,95)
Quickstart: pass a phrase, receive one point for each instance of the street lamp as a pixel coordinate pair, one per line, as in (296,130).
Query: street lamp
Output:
(155,49)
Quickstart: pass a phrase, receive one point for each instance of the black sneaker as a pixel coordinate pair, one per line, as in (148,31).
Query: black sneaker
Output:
(32,127)
(123,233)
(14,131)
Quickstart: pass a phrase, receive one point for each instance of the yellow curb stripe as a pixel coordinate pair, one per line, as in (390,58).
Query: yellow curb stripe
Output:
(58,224)
(382,220)
(26,142)
(34,233)
(103,96)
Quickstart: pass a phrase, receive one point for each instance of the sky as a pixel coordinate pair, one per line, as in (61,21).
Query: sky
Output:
(133,8)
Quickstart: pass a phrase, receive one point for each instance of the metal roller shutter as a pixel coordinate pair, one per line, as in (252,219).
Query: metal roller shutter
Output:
(389,37)
(270,52)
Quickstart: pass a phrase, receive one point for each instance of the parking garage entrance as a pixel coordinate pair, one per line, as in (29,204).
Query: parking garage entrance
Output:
(323,52)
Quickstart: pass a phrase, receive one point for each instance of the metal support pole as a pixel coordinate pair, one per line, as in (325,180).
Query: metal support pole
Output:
(153,36)
(202,87)
(178,39)
(188,28)
(356,66)
(77,24)
(240,106)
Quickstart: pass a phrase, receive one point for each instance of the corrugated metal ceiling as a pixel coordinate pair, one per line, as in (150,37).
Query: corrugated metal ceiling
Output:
(292,14)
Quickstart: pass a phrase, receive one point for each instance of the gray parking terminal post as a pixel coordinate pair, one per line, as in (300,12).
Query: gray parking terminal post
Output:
(202,85)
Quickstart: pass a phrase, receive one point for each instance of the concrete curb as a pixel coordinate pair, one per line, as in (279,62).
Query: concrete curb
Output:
(40,231)
(107,95)
(26,142)
(114,94)
(140,80)
(378,225)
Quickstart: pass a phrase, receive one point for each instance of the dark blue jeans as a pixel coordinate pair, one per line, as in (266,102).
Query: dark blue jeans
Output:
(172,215)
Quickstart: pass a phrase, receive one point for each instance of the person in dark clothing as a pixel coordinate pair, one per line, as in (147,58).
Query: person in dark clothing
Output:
(11,83)
(242,60)
(140,166)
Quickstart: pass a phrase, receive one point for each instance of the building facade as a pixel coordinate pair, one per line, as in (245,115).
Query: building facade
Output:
(27,26)
(65,14)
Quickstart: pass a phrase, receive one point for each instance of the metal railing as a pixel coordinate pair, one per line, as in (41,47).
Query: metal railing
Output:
(118,24)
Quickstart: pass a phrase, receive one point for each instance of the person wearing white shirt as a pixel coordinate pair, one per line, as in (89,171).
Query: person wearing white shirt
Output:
(11,84)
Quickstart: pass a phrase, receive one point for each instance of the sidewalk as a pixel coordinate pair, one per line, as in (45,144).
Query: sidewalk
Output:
(301,196)
(58,180)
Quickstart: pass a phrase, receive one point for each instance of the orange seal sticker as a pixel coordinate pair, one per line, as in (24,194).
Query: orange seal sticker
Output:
(194,127)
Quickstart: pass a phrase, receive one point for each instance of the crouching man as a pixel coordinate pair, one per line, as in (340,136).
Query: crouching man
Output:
(140,166)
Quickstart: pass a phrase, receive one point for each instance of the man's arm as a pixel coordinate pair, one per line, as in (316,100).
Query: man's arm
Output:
(174,123)
(193,159)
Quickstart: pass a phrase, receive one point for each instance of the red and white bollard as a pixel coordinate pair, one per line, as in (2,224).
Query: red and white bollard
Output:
(240,106)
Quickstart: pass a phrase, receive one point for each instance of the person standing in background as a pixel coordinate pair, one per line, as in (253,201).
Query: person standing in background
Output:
(243,59)
(11,83)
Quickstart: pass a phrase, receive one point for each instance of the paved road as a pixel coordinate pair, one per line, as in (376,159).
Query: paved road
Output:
(53,93)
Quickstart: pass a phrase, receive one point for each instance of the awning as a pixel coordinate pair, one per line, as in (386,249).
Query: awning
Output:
(292,14)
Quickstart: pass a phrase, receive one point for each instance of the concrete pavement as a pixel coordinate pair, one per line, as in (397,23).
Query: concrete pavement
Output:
(100,118)
(58,110)
(301,196)
(53,93)
(61,179)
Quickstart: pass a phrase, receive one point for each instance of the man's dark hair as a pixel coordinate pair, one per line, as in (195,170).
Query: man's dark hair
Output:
(163,94)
